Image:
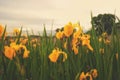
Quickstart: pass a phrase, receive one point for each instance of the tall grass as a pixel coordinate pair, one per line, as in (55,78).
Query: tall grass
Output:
(105,58)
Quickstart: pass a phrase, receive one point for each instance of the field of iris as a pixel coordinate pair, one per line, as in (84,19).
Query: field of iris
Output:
(69,55)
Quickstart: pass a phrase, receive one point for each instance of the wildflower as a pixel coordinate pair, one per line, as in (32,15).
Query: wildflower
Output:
(16,31)
(1,30)
(76,34)
(59,34)
(55,55)
(94,73)
(15,46)
(82,76)
(78,28)
(68,29)
(88,76)
(89,47)
(26,52)
(86,42)
(9,52)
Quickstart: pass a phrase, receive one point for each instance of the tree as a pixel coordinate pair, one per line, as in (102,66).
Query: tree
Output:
(103,23)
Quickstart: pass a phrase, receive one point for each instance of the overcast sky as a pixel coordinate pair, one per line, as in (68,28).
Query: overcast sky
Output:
(33,14)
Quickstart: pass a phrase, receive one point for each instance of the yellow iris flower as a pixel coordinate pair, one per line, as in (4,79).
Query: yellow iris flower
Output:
(26,52)
(68,29)
(86,41)
(1,30)
(15,46)
(55,55)
(59,34)
(16,31)
(9,52)
(94,73)
(82,76)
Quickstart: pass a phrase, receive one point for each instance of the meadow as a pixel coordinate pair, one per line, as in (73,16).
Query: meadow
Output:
(70,54)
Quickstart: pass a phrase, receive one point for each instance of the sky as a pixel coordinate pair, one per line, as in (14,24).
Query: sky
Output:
(33,14)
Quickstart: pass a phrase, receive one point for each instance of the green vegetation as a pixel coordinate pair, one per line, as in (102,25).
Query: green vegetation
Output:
(70,55)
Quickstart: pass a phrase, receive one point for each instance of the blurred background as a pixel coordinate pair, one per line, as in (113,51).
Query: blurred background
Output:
(33,14)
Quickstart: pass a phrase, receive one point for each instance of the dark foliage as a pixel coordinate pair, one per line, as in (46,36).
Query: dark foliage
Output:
(103,23)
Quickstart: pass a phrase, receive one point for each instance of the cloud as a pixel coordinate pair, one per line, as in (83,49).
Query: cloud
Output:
(57,12)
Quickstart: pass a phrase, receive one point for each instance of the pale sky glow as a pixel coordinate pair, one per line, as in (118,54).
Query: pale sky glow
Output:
(34,13)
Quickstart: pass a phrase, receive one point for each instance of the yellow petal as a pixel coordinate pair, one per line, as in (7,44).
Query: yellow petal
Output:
(9,52)
(68,29)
